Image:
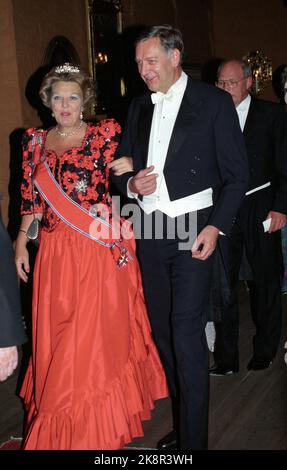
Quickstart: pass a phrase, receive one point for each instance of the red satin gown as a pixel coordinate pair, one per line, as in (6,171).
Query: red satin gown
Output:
(95,371)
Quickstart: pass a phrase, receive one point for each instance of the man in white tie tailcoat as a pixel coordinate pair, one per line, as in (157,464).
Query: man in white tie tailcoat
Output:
(190,167)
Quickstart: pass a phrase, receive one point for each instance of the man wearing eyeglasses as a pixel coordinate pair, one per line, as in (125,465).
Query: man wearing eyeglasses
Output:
(257,226)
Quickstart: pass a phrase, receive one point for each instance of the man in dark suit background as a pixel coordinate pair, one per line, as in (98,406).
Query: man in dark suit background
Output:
(188,158)
(265,133)
(11,328)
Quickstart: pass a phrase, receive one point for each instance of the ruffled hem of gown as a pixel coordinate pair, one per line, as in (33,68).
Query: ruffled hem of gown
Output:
(107,422)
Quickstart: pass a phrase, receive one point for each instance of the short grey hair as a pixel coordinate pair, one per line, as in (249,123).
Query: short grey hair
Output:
(246,68)
(170,37)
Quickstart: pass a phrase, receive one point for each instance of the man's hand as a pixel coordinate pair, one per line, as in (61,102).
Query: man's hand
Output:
(205,243)
(278,221)
(8,361)
(143,183)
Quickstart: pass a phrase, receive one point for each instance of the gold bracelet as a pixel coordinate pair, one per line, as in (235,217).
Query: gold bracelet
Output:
(21,230)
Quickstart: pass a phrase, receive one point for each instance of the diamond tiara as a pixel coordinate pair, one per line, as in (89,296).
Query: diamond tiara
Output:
(67,68)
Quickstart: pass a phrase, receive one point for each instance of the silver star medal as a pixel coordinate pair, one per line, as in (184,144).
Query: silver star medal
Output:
(81,186)
(124,257)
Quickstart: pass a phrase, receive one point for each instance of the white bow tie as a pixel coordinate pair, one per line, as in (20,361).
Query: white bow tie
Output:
(159,96)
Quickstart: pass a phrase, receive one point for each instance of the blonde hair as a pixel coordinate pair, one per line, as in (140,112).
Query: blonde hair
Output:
(67,73)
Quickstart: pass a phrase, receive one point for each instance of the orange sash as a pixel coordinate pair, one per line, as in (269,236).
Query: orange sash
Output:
(77,217)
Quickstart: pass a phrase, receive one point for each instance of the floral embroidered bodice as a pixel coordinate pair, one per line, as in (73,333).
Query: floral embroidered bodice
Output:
(80,171)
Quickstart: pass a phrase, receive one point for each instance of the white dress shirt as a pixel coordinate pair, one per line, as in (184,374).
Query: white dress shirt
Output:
(164,116)
(242,111)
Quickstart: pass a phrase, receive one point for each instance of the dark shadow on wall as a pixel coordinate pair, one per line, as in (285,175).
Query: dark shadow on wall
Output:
(133,83)
(32,94)
(209,70)
(14,187)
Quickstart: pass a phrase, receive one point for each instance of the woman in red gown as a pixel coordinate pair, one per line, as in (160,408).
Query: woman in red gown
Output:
(94,372)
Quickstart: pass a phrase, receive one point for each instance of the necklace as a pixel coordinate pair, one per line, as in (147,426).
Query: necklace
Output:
(68,134)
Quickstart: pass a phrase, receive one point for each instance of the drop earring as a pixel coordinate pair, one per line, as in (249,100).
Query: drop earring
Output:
(81,115)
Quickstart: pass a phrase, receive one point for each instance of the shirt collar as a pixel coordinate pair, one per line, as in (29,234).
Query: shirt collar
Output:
(180,84)
(178,87)
(244,105)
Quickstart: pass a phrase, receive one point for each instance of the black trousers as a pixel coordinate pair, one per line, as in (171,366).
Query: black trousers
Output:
(176,288)
(11,327)
(263,251)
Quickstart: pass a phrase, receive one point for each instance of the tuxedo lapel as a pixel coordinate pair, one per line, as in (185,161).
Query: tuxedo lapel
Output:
(144,128)
(253,117)
(189,111)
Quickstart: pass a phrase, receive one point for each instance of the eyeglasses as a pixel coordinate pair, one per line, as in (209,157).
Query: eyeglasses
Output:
(230,83)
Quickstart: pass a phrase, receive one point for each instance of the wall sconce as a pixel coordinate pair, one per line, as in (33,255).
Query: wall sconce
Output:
(261,68)
(101,58)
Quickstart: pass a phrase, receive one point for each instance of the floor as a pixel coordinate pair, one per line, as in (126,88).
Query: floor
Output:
(248,410)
